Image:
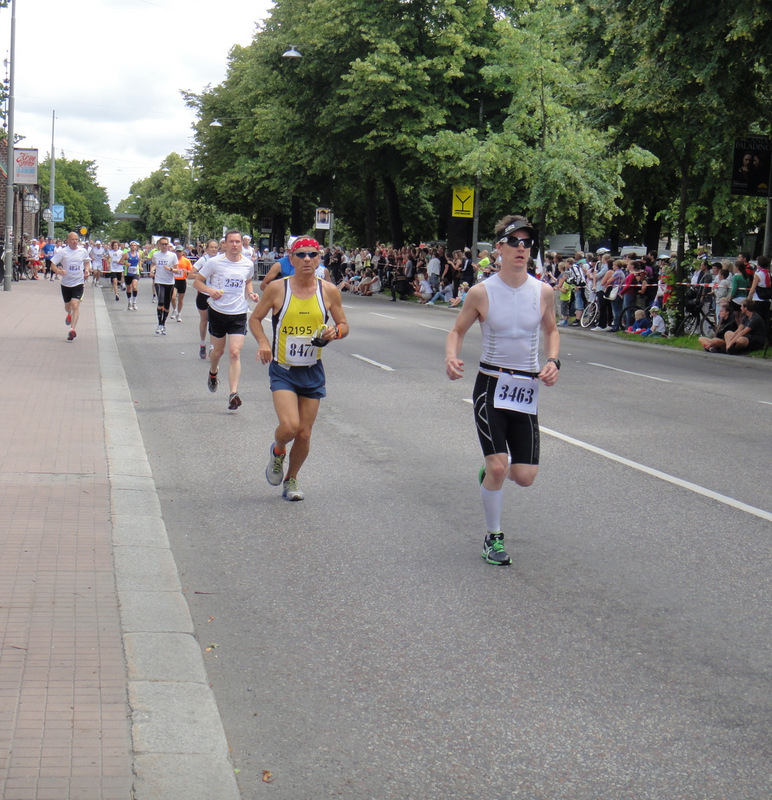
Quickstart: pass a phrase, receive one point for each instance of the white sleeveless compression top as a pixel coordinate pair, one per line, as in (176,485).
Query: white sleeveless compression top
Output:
(510,331)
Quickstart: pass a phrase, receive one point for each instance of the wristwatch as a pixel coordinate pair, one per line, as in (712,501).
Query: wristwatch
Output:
(555,361)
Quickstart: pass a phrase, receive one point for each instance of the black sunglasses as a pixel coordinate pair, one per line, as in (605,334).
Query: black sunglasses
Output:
(305,254)
(514,241)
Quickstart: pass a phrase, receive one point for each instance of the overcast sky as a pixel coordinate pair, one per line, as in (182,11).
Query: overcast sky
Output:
(113,70)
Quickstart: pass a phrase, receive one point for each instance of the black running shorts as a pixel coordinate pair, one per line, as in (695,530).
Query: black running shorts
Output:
(501,431)
(221,325)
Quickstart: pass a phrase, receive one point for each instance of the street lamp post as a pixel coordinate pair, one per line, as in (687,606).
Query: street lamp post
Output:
(8,246)
(52,181)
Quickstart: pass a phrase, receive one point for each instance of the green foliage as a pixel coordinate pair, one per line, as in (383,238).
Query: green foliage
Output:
(607,116)
(84,200)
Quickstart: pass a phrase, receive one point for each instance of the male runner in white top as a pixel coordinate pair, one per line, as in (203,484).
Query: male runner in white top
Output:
(227,279)
(72,263)
(511,307)
(162,269)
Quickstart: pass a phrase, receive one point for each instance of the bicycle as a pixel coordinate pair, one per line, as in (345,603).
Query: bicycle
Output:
(589,318)
(696,321)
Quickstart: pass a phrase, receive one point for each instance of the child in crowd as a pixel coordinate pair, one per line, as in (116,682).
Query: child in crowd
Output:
(642,322)
(457,302)
(565,289)
(657,329)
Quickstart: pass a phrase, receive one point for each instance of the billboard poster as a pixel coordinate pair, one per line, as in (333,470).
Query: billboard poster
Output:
(751,166)
(323,219)
(25,166)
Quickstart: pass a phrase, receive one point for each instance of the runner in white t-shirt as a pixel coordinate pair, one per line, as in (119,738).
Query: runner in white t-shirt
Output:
(227,279)
(72,263)
(98,255)
(162,269)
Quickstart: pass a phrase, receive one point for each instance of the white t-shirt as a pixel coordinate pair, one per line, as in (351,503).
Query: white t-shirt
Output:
(231,278)
(116,256)
(164,267)
(74,261)
(97,254)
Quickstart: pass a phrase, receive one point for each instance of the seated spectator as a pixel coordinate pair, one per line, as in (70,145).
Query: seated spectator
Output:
(423,290)
(751,333)
(349,281)
(642,322)
(458,301)
(657,329)
(444,295)
(369,285)
(725,323)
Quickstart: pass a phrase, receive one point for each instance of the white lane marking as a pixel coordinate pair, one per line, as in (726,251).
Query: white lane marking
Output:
(345,306)
(376,314)
(434,327)
(627,372)
(692,487)
(468,400)
(765,402)
(374,363)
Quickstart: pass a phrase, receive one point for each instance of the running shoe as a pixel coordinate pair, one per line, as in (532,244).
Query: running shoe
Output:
(179,318)
(157,328)
(493,550)
(163,330)
(234,401)
(71,335)
(213,382)
(128,307)
(68,320)
(274,472)
(291,491)
(202,351)
(117,298)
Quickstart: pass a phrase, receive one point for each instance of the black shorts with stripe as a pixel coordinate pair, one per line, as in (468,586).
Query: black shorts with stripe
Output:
(502,431)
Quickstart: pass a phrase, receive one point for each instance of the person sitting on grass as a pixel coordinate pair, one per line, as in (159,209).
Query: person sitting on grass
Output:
(657,329)
(423,289)
(642,322)
(458,301)
(726,323)
(369,285)
(443,295)
(751,333)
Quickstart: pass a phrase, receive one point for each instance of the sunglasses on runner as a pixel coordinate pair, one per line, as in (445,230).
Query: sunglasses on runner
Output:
(305,254)
(515,241)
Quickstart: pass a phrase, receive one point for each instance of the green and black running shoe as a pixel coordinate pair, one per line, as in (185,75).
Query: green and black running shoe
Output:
(493,550)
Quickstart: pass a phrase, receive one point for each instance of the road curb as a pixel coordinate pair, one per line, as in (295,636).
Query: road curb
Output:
(179,747)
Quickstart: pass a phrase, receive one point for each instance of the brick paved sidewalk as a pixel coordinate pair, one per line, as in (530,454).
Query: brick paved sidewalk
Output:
(64,718)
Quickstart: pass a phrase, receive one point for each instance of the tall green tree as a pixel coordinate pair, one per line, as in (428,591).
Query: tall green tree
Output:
(78,190)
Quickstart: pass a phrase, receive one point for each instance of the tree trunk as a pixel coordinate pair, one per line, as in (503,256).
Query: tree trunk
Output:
(393,209)
(371,213)
(296,223)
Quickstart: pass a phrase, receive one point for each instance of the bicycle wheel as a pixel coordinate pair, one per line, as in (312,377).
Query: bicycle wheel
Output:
(628,316)
(589,315)
(689,325)
(707,326)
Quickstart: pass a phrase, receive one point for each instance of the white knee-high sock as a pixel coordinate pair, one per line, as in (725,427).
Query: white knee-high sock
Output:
(493,502)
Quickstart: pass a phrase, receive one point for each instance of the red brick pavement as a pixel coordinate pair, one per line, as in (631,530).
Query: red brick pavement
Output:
(64,726)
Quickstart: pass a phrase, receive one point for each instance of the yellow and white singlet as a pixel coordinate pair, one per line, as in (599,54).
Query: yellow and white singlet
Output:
(294,326)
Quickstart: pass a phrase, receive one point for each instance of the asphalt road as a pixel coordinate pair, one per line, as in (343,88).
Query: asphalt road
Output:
(363,647)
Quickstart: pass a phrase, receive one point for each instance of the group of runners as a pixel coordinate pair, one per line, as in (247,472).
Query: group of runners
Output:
(512,308)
